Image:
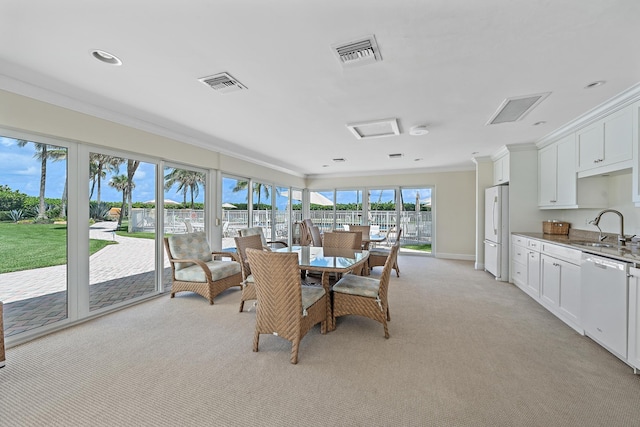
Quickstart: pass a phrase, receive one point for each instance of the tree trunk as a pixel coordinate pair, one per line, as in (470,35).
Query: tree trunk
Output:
(42,211)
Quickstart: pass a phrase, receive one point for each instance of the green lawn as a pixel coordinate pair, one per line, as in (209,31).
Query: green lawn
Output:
(29,246)
(426,248)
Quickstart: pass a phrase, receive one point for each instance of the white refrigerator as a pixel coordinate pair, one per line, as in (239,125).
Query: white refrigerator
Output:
(496,231)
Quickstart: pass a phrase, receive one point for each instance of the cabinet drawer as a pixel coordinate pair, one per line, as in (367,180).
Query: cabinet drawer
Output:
(572,256)
(534,245)
(519,240)
(520,254)
(519,272)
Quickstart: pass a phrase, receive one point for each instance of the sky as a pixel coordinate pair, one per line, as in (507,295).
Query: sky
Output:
(20,170)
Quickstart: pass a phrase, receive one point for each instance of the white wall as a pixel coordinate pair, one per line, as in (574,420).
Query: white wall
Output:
(619,191)
(36,117)
(454,202)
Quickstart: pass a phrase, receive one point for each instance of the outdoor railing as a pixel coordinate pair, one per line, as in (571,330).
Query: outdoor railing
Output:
(416,226)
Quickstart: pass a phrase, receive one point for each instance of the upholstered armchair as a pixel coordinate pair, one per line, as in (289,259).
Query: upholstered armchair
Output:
(195,268)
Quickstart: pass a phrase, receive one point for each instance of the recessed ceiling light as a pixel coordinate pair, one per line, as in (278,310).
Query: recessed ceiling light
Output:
(106,57)
(418,130)
(541,122)
(595,84)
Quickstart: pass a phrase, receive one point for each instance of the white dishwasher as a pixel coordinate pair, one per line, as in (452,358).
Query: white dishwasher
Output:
(604,302)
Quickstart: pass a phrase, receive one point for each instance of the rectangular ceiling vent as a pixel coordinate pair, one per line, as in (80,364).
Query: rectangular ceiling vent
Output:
(374,129)
(358,52)
(516,108)
(223,83)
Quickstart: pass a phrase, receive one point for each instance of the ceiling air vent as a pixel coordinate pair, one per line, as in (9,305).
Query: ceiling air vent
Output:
(358,52)
(375,128)
(395,156)
(514,109)
(223,83)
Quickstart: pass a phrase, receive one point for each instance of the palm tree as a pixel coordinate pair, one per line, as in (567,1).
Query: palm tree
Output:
(43,153)
(258,189)
(187,181)
(132,166)
(122,183)
(100,164)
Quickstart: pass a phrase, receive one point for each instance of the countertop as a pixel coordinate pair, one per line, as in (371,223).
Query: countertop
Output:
(629,253)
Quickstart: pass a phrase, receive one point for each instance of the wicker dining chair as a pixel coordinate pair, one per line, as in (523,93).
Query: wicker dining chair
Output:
(364,229)
(346,240)
(378,256)
(365,296)
(243,232)
(195,268)
(285,308)
(316,237)
(248,284)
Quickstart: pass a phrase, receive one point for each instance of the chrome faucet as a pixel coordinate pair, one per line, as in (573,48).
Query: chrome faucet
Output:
(621,238)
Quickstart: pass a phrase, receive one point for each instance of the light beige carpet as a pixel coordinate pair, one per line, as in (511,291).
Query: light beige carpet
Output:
(465,350)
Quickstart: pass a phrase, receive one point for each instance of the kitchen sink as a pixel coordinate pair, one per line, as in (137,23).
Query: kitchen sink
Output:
(594,244)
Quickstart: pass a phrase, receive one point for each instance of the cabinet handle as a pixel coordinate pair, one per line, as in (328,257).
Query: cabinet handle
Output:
(552,201)
(555,264)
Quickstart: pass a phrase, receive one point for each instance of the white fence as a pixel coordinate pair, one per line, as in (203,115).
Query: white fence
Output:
(416,226)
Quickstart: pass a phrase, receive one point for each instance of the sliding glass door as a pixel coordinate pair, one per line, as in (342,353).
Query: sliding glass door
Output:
(416,220)
(33,234)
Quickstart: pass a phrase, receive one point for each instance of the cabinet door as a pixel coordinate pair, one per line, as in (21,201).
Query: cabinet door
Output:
(634,319)
(567,181)
(533,274)
(547,176)
(549,282)
(569,302)
(618,137)
(590,145)
(501,170)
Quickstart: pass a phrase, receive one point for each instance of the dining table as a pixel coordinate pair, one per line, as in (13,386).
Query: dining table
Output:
(327,261)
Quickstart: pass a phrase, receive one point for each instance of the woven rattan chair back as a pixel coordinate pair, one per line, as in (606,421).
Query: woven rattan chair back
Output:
(364,230)
(279,311)
(348,240)
(316,237)
(242,244)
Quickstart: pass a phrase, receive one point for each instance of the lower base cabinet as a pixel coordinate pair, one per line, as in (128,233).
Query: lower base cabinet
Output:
(560,289)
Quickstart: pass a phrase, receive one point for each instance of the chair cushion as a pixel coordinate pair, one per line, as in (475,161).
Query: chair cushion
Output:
(189,246)
(379,252)
(358,285)
(311,294)
(219,270)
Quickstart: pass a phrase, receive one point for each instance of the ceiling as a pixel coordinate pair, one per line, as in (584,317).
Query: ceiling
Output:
(447,64)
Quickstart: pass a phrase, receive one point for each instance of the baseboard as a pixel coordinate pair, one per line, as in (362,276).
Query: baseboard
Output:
(479,266)
(456,256)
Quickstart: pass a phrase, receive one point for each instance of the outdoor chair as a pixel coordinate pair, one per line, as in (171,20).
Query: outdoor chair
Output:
(248,283)
(365,296)
(258,231)
(285,308)
(378,256)
(305,232)
(195,268)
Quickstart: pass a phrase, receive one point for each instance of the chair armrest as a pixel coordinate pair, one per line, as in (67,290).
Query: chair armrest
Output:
(200,263)
(278,243)
(222,254)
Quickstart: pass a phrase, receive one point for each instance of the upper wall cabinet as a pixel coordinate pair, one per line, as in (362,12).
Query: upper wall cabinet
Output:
(501,170)
(635,115)
(606,145)
(558,184)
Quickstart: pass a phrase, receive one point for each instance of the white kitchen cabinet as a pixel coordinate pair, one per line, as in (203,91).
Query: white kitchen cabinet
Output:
(525,265)
(635,113)
(633,354)
(533,273)
(501,170)
(606,145)
(560,283)
(558,184)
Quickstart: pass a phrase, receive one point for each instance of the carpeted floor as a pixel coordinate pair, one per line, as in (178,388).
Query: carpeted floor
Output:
(465,350)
